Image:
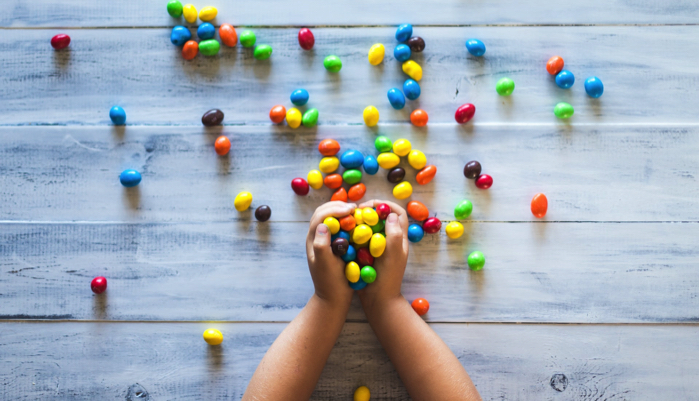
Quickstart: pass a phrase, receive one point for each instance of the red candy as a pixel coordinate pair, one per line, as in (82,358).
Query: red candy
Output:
(356,192)
(277,114)
(426,175)
(222,145)
(420,306)
(383,210)
(465,113)
(328,147)
(98,285)
(432,225)
(339,195)
(364,257)
(539,205)
(306,39)
(300,186)
(484,181)
(60,41)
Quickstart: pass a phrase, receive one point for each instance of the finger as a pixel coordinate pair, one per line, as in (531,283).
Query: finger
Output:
(394,234)
(336,209)
(321,243)
(397,209)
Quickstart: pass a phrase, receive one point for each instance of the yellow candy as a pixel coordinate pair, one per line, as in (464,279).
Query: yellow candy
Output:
(371,116)
(213,337)
(413,70)
(362,234)
(377,245)
(242,201)
(362,394)
(376,54)
(402,147)
(358,216)
(315,179)
(333,225)
(370,216)
(293,117)
(388,160)
(208,13)
(416,159)
(403,190)
(190,13)
(329,164)
(352,272)
(455,229)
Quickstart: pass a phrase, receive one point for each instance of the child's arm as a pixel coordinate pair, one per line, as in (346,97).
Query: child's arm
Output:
(427,367)
(293,364)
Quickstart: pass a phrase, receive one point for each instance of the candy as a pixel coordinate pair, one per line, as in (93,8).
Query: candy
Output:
(212,117)
(383,144)
(262,52)
(432,225)
(454,230)
(332,63)
(174,8)
(306,39)
(415,233)
(293,117)
(476,260)
(339,246)
(209,47)
(358,216)
(362,394)
(472,169)
(359,285)
(299,97)
(248,38)
(402,147)
(222,145)
(328,147)
(352,176)
(315,179)
(475,47)
(505,87)
(208,13)
(368,274)
(396,175)
(350,255)
(563,110)
(228,35)
(339,195)
(396,98)
(420,306)
(565,79)
(61,41)
(333,181)
(463,210)
(402,53)
(190,13)
(378,227)
(369,216)
(376,54)
(263,213)
(484,181)
(383,210)
(464,113)
(206,31)
(98,285)
(213,337)
(377,245)
(554,65)
(242,201)
(277,114)
(539,205)
(371,165)
(361,234)
(356,192)
(426,175)
(340,234)
(352,272)
(190,50)
(403,190)
(348,223)
(352,159)
(300,186)
(417,159)
(364,257)
(117,115)
(417,44)
(418,211)
(371,116)
(333,224)
(419,117)
(130,178)
(413,70)
(594,87)
(404,32)
(411,89)
(180,35)
(310,118)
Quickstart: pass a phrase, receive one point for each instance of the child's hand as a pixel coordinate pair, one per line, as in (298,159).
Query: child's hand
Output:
(327,269)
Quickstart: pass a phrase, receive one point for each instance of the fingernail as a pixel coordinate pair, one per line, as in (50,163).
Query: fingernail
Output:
(322,229)
(392,218)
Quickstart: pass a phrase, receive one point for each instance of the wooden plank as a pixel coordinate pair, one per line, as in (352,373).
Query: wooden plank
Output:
(580,273)
(86,361)
(140,70)
(71,173)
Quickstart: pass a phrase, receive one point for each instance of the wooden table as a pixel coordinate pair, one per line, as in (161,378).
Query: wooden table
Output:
(599,301)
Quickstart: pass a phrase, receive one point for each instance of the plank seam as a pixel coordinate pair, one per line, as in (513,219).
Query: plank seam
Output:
(641,324)
(97,222)
(362,26)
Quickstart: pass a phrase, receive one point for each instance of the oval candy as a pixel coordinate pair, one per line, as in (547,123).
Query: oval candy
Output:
(505,87)
(565,79)
(340,246)
(212,117)
(347,223)
(364,257)
(361,235)
(417,210)
(315,179)
(475,47)
(413,70)
(359,285)
(415,233)
(310,118)
(420,306)
(208,13)
(554,65)
(190,50)
(419,117)
(98,284)
(263,213)
(180,35)
(174,8)
(411,89)
(383,210)
(332,63)
(454,230)
(388,160)
(277,114)
(299,97)
(333,181)
(371,116)
(61,41)
(222,145)
(594,87)
(465,113)
(371,165)
(376,54)
(463,210)
(339,195)
(242,201)
(358,216)
(206,31)
(333,224)
(352,272)
(328,147)
(190,13)
(484,181)
(248,38)
(396,98)
(563,110)
(432,225)
(396,175)
(262,52)
(404,32)
(352,159)
(213,337)
(539,205)
(403,190)
(369,216)
(416,44)
(306,39)
(328,164)
(130,178)
(426,175)
(383,144)
(300,186)
(352,176)
(476,260)
(228,35)
(209,47)
(362,394)
(378,227)
(117,115)
(377,245)
(472,169)
(402,52)
(368,274)
(293,117)
(402,147)
(351,254)
(417,159)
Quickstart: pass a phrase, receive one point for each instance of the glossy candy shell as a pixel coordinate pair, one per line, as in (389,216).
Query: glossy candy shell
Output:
(229,36)
(212,117)
(98,285)
(310,118)
(432,225)
(418,211)
(565,79)
(475,47)
(332,63)
(359,285)
(563,110)
(505,87)
(315,179)
(328,147)
(413,70)
(339,195)
(208,13)
(396,175)
(356,192)
(190,50)
(416,44)
(350,256)
(206,31)
(340,246)
(242,201)
(472,170)
(364,257)
(426,175)
(371,165)
(333,224)
(293,118)
(333,181)
(476,260)
(263,213)
(465,113)
(454,230)
(306,39)
(348,223)
(61,41)
(415,233)
(352,272)
(180,35)
(222,145)
(417,159)
(377,245)
(117,115)
(404,32)
(190,13)
(411,89)
(130,178)
(419,118)
(376,54)
(371,116)
(213,337)
(248,38)
(420,306)
(396,98)
(209,47)
(352,176)
(352,159)
(383,144)
(368,274)
(362,394)
(299,97)
(402,147)
(594,87)
(300,186)
(463,210)
(262,52)
(554,65)
(383,210)
(403,190)
(539,205)
(402,52)
(174,8)
(277,114)
(484,181)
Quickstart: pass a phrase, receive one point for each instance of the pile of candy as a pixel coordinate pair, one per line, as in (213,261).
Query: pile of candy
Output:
(293,116)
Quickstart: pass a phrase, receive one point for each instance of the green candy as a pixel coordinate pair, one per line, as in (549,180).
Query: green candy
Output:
(563,110)
(476,260)
(383,144)
(352,176)
(368,274)
(209,47)
(248,39)
(310,118)
(332,63)
(463,210)
(379,226)
(505,87)
(174,8)
(262,52)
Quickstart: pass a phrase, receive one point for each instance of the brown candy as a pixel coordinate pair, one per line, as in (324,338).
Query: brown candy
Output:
(396,175)
(416,44)
(472,169)
(212,117)
(340,246)
(263,213)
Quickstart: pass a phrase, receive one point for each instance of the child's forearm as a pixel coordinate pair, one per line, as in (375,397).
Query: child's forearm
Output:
(293,364)
(427,367)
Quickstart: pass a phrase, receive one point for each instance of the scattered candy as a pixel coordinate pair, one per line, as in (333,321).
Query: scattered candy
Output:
(212,117)
(263,213)
(348,223)
(190,13)
(472,169)
(475,47)
(539,205)
(340,246)
(206,31)
(339,195)
(208,13)
(463,210)
(454,230)
(209,47)
(117,115)
(426,175)
(402,52)
(419,117)
(300,186)
(315,179)
(306,39)
(417,159)
(383,210)
(333,224)
(262,52)
(396,98)
(476,260)
(376,54)
(563,110)
(465,113)
(413,70)
(402,147)
(130,178)
(364,257)
(371,165)
(594,87)
(299,97)
(277,114)
(293,117)
(98,285)
(190,50)
(352,159)
(328,147)
(362,234)
(368,274)
(61,41)
(411,89)
(484,181)
(352,272)
(228,35)
(420,306)
(554,65)
(371,116)
(352,176)
(242,201)
(383,144)
(377,246)
(396,175)
(418,211)
(402,190)
(332,63)
(333,181)
(505,87)
(432,225)
(174,8)
(565,79)
(310,118)
(222,145)
(415,233)
(362,394)
(404,32)
(180,35)
(417,44)
(248,38)
(350,255)
(213,337)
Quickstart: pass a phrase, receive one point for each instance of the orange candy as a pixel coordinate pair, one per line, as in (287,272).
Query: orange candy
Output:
(420,306)
(328,147)
(426,174)
(554,65)
(228,35)
(348,223)
(418,211)
(277,114)
(222,145)
(418,117)
(540,205)
(333,181)
(356,192)
(190,50)
(339,195)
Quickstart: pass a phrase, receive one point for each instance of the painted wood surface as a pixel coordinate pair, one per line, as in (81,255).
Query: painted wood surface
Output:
(649,74)
(510,362)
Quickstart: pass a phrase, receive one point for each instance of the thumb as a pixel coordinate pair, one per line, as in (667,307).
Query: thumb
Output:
(321,242)
(394,234)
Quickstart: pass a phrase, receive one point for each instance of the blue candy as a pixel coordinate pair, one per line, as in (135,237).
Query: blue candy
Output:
(340,234)
(402,52)
(352,159)
(404,32)
(396,98)
(565,79)
(180,35)
(130,178)
(371,165)
(475,47)
(206,31)
(359,285)
(594,87)
(299,97)
(350,255)
(118,115)
(415,233)
(411,89)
